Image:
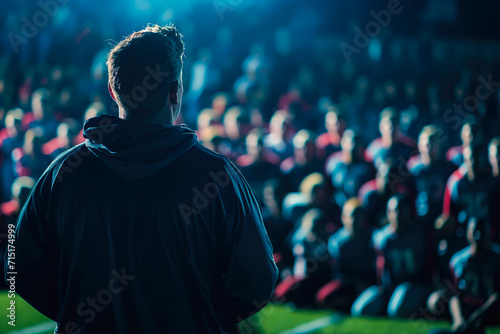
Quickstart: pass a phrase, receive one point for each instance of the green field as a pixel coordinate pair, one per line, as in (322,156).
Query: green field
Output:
(272,319)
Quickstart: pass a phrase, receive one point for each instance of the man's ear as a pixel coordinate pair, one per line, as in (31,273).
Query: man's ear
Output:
(173,94)
(111,92)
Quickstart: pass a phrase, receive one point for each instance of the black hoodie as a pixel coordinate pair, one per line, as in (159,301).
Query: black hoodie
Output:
(142,230)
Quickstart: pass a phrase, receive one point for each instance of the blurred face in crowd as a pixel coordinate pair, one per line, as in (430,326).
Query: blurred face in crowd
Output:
(466,135)
(219,104)
(470,134)
(40,103)
(383,177)
(33,141)
(478,233)
(429,147)
(21,188)
(303,150)
(95,109)
(398,213)
(334,122)
(205,119)
(425,145)
(232,124)
(13,122)
(255,145)
(271,200)
(475,162)
(312,224)
(67,131)
(278,125)
(351,145)
(352,217)
(494,155)
(389,127)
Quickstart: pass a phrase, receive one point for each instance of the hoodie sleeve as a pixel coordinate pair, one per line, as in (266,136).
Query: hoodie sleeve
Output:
(35,264)
(251,273)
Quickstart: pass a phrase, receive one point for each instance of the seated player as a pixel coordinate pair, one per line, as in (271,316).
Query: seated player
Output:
(303,161)
(392,143)
(335,124)
(375,194)
(404,265)
(42,114)
(313,193)
(281,132)
(12,137)
(430,171)
(494,156)
(67,133)
(348,169)
(236,127)
(448,244)
(206,124)
(93,110)
(476,271)
(277,228)
(471,190)
(29,160)
(470,134)
(258,165)
(311,268)
(353,260)
(21,188)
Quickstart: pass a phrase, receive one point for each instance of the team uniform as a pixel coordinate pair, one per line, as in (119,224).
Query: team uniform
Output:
(258,172)
(403,148)
(476,279)
(54,147)
(283,149)
(347,179)
(464,199)
(26,165)
(455,154)
(430,183)
(49,126)
(295,173)
(404,265)
(311,271)
(327,144)
(353,268)
(374,202)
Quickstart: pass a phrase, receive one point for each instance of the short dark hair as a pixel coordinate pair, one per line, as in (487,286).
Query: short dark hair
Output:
(142,67)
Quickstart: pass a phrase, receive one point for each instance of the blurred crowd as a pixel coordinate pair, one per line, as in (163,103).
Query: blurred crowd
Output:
(378,178)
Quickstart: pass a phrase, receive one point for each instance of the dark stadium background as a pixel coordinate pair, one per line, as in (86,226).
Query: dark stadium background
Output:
(259,78)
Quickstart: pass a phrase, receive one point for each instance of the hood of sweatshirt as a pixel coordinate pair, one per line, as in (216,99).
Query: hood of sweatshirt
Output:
(136,150)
